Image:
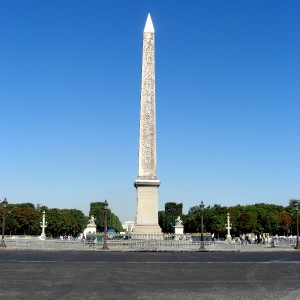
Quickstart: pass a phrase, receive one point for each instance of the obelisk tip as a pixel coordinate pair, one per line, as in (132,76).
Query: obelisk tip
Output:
(149,25)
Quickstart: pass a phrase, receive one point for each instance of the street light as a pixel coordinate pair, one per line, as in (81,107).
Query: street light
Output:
(4,205)
(105,226)
(228,227)
(297,224)
(202,211)
(43,224)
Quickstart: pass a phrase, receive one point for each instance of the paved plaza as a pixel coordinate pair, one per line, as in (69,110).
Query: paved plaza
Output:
(149,275)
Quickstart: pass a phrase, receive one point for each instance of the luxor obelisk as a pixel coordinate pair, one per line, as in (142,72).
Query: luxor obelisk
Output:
(147,183)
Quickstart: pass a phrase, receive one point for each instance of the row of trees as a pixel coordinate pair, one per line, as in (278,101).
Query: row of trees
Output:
(25,219)
(258,218)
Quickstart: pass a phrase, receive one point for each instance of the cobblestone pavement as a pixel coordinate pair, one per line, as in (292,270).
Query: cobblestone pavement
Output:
(149,275)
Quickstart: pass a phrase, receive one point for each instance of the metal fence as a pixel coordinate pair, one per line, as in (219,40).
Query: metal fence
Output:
(170,246)
(283,241)
(45,245)
(119,245)
(143,245)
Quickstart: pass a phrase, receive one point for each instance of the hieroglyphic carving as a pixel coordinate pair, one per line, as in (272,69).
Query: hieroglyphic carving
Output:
(147,147)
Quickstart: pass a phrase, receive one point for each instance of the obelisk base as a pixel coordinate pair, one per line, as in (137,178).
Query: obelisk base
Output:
(147,232)
(146,208)
(147,229)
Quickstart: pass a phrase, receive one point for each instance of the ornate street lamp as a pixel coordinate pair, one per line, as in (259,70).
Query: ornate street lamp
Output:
(202,211)
(297,224)
(4,205)
(43,225)
(105,247)
(228,227)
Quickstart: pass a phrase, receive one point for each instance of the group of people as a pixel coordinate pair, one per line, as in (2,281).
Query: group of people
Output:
(263,238)
(67,238)
(249,238)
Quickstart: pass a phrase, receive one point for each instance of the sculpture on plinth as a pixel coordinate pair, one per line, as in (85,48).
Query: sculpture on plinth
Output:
(178,227)
(91,227)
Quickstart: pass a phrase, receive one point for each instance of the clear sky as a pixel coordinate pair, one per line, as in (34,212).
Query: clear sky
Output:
(227,96)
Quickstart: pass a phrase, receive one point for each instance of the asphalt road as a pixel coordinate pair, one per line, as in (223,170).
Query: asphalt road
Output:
(114,275)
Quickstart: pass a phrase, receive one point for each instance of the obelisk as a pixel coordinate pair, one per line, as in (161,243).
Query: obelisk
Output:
(147,183)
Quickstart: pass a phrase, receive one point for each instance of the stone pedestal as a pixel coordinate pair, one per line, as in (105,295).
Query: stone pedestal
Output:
(178,229)
(147,207)
(90,229)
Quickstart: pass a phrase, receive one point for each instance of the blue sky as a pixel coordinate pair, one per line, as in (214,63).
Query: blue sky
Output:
(227,96)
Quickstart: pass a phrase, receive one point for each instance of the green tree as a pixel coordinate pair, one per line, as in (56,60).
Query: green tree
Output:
(167,218)
(286,222)
(192,221)
(97,210)
(55,223)
(247,222)
(22,220)
(161,220)
(114,222)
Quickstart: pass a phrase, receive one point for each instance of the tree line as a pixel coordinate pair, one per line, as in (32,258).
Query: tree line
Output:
(25,219)
(257,218)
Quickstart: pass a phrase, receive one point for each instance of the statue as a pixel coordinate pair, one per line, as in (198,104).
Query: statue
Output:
(178,228)
(92,220)
(178,221)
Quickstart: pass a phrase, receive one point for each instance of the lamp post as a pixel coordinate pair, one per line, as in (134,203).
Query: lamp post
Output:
(43,225)
(297,224)
(4,205)
(228,227)
(202,211)
(105,247)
